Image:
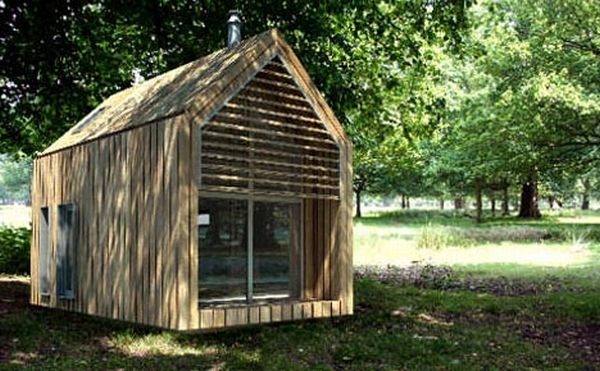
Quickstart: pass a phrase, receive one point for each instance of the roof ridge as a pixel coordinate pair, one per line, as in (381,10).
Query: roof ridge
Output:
(160,96)
(199,60)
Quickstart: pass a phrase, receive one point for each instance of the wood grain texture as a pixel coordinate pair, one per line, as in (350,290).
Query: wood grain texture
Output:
(131,228)
(192,198)
(308,253)
(135,187)
(241,315)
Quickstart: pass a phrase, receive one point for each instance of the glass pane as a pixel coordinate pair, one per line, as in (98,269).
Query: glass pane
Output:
(223,245)
(275,242)
(45,251)
(66,240)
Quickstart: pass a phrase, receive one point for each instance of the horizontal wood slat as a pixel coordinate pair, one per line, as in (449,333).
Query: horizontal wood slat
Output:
(274,163)
(233,316)
(269,172)
(244,99)
(274,95)
(136,185)
(260,180)
(276,66)
(235,117)
(232,147)
(268,139)
(270,71)
(245,128)
(243,190)
(278,114)
(270,84)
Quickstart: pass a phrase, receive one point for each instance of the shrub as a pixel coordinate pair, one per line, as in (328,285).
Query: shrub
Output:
(499,234)
(574,234)
(14,250)
(579,238)
(432,237)
(418,275)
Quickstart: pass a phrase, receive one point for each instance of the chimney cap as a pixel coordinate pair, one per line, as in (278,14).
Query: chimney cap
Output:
(234,16)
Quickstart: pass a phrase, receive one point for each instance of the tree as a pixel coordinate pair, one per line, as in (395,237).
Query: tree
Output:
(524,106)
(60,59)
(15,179)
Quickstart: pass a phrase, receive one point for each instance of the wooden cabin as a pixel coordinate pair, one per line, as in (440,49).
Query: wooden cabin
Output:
(217,194)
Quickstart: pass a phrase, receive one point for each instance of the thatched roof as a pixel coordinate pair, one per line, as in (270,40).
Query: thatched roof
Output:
(198,88)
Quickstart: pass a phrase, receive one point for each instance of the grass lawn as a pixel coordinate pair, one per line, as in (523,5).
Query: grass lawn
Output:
(502,295)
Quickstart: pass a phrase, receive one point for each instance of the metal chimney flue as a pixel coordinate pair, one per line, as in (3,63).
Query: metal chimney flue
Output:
(234,28)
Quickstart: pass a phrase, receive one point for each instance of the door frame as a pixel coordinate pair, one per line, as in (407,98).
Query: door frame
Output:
(251,198)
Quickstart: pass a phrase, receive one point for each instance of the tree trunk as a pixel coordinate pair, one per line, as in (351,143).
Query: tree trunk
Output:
(551,202)
(529,200)
(585,202)
(478,204)
(28,201)
(505,202)
(407,202)
(358,210)
(442,203)
(458,203)
(493,204)
(403,202)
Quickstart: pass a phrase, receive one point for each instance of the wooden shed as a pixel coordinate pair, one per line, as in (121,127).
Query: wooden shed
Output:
(217,194)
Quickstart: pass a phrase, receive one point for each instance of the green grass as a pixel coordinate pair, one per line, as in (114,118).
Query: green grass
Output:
(468,319)
(560,239)
(393,327)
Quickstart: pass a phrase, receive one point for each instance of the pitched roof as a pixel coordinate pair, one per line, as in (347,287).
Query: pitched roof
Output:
(199,87)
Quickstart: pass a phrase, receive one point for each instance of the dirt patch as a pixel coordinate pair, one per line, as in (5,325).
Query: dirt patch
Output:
(582,340)
(446,279)
(14,295)
(503,286)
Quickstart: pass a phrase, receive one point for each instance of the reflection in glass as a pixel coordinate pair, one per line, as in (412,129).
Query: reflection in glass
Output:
(223,242)
(275,249)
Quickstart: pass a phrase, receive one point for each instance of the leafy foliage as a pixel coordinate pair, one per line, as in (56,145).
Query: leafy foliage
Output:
(15,179)
(14,250)
(440,98)
(523,104)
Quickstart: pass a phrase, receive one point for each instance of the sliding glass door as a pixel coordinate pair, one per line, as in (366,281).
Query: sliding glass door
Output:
(223,241)
(249,249)
(275,253)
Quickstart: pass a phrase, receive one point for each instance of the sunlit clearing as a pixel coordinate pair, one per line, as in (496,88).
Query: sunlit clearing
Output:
(579,219)
(165,343)
(378,245)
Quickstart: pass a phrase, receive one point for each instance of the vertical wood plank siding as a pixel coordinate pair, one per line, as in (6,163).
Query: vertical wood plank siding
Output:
(136,196)
(323,243)
(327,251)
(133,195)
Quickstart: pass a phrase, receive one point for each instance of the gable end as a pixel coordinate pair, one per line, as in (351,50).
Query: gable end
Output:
(268,139)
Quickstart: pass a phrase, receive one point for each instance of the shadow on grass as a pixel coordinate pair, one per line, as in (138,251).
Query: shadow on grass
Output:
(39,337)
(392,328)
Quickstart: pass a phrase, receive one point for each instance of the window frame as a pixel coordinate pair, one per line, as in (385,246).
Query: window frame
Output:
(45,249)
(251,198)
(66,253)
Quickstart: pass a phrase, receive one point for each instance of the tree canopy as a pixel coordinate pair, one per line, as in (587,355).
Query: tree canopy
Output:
(441,99)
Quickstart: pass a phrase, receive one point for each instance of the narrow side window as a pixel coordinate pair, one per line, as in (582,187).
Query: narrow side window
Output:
(44,249)
(66,249)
